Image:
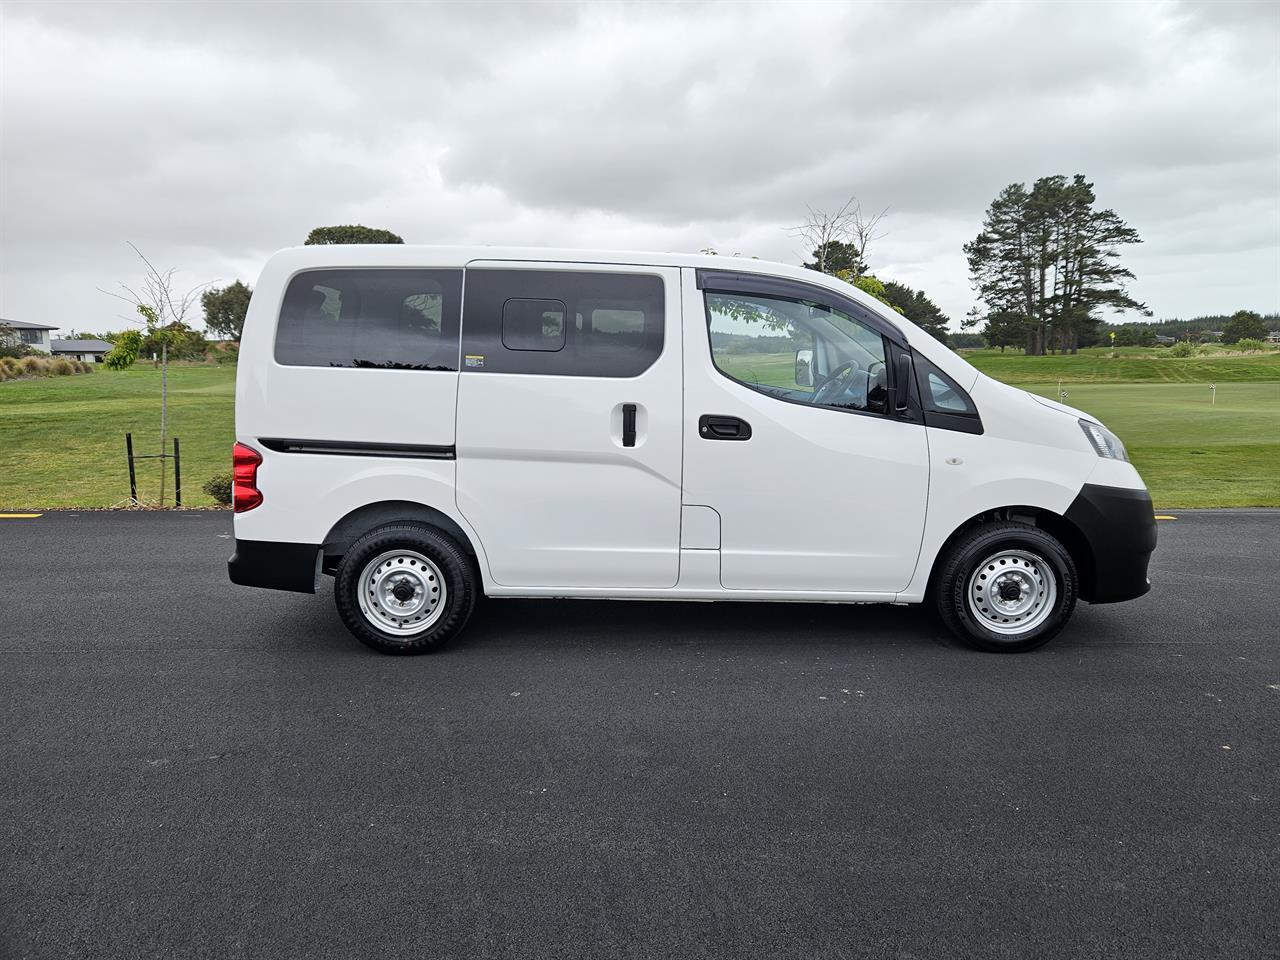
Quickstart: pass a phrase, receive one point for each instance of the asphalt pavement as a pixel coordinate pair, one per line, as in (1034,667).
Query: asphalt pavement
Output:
(194,769)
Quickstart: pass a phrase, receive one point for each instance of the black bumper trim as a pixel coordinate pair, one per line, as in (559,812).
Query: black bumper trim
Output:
(275,565)
(1119,524)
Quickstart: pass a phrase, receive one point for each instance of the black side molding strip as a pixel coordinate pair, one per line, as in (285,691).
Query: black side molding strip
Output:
(344,448)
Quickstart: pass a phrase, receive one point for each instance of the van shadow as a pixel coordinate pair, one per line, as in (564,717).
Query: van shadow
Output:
(499,626)
(506,624)
(502,625)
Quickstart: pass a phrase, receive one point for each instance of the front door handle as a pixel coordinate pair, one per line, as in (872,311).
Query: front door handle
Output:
(713,426)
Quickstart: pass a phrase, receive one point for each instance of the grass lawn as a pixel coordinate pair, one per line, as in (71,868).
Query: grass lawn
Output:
(1190,453)
(62,438)
(1131,365)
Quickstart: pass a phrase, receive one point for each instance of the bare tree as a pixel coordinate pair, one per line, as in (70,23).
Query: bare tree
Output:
(164,311)
(839,239)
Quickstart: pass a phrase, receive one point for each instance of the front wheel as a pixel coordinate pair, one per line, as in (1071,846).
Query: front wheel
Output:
(405,588)
(1006,588)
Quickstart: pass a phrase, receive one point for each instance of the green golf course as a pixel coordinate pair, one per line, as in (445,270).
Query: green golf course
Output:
(62,438)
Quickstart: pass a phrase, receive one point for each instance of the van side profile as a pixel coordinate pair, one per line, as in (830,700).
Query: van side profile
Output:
(432,424)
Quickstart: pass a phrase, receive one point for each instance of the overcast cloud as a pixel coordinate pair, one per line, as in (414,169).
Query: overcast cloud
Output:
(213,135)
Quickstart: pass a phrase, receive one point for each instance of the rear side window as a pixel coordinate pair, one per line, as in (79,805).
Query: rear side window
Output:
(564,323)
(380,318)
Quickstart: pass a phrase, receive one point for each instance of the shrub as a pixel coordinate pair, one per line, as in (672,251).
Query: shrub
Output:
(1250,344)
(33,367)
(219,487)
(1183,348)
(88,367)
(9,368)
(61,367)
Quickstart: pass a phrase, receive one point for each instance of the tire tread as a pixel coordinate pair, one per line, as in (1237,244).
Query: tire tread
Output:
(454,562)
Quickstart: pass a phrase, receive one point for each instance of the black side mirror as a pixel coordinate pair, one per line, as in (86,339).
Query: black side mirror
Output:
(902,382)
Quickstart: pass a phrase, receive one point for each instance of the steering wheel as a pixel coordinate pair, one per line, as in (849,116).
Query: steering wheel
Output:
(836,383)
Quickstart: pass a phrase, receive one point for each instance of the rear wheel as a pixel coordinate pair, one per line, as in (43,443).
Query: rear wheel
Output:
(1006,587)
(405,588)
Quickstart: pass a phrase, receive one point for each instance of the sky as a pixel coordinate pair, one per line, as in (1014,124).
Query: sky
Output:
(213,135)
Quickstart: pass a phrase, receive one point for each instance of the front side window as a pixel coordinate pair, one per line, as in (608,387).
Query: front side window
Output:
(799,351)
(383,318)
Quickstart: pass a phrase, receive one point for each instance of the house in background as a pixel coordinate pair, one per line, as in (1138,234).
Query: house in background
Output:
(34,335)
(90,351)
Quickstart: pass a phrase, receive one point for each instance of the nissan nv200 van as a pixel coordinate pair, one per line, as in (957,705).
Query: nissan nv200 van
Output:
(430,424)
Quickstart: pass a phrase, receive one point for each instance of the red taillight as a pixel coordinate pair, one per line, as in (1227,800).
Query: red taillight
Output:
(245,494)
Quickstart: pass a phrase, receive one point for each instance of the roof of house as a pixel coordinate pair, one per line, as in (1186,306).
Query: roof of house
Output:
(23,325)
(79,346)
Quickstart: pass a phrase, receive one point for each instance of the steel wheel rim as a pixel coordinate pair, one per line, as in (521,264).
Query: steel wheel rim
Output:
(990,592)
(401,592)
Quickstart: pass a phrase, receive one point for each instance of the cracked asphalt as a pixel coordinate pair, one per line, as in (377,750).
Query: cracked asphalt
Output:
(193,769)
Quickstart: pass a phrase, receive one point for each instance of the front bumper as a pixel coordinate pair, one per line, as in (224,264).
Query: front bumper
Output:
(275,565)
(1119,524)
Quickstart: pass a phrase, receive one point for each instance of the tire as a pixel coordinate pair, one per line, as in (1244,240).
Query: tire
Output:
(405,588)
(1012,557)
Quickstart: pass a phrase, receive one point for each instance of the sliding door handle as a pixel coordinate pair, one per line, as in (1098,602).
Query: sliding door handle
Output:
(717,427)
(628,424)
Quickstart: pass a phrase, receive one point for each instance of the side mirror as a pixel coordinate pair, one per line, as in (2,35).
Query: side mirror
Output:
(902,382)
(804,368)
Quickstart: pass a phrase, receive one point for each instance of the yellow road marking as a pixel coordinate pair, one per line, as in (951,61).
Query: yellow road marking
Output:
(20,516)
(1159,517)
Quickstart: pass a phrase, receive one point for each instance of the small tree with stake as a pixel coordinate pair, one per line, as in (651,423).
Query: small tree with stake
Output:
(164,311)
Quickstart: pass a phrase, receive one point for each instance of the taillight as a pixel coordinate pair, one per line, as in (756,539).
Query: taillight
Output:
(245,494)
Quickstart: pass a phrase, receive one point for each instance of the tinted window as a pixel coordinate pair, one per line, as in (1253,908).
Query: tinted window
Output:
(567,323)
(799,351)
(393,319)
(533,325)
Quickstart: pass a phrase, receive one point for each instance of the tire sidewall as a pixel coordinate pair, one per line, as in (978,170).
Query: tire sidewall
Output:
(977,549)
(455,568)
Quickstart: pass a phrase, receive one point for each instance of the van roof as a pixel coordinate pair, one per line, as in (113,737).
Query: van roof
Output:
(445,256)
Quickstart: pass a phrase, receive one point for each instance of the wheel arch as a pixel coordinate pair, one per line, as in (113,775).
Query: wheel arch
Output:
(1067,533)
(361,520)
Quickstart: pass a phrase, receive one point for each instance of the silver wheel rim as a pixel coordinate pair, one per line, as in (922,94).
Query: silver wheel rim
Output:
(991,592)
(401,592)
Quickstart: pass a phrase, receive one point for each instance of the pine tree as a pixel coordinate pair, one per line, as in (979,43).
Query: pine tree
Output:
(1047,257)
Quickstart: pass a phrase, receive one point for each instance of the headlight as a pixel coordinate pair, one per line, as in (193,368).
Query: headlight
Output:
(1106,443)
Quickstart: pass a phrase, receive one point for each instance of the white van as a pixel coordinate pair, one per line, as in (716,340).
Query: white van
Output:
(429,424)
